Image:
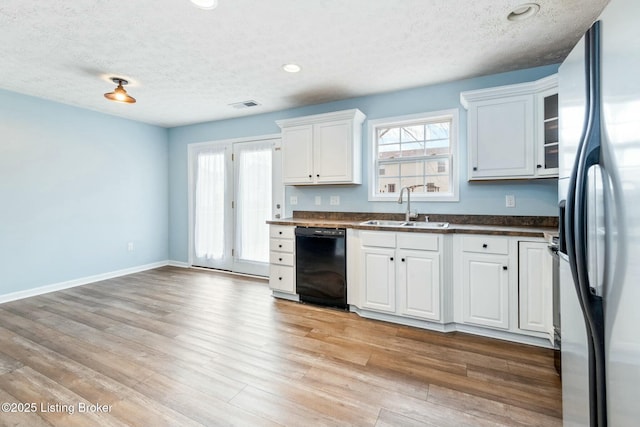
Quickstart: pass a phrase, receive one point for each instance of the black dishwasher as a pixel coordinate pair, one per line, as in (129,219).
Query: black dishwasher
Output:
(321,267)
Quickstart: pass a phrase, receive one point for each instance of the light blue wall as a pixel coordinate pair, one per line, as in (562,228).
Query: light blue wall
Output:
(75,187)
(532,197)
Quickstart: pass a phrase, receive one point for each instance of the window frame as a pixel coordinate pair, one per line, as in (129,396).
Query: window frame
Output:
(454,167)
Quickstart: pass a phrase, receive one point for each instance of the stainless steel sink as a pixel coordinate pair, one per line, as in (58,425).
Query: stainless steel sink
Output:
(426,224)
(413,224)
(384,223)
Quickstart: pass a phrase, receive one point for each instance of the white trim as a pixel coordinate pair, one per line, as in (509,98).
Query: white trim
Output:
(518,89)
(454,145)
(13,296)
(195,145)
(180,264)
(452,327)
(229,272)
(285,295)
(354,114)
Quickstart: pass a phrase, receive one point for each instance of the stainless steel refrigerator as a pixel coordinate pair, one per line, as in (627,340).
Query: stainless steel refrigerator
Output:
(599,187)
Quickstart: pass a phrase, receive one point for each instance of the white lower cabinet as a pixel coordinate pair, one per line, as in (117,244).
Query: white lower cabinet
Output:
(485,289)
(282,259)
(483,283)
(535,300)
(401,273)
(379,277)
(419,284)
(503,283)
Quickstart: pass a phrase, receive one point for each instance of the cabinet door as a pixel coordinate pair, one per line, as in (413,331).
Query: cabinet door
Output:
(297,155)
(485,290)
(419,284)
(534,282)
(501,137)
(547,140)
(333,151)
(378,269)
(282,278)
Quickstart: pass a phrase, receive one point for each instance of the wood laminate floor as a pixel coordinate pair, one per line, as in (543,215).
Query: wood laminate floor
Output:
(185,347)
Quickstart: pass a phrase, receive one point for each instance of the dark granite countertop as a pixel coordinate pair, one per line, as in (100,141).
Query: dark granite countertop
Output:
(460,224)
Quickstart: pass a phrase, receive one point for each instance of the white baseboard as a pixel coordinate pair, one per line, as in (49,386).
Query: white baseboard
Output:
(180,264)
(451,327)
(79,282)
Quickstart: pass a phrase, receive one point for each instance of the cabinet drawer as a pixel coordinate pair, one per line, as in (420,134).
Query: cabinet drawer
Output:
(281,245)
(281,258)
(281,231)
(418,241)
(282,278)
(378,238)
(484,244)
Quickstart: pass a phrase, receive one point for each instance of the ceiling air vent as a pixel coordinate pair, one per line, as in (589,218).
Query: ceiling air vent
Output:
(245,104)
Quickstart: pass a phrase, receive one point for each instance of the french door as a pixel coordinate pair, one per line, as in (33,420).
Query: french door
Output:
(232,195)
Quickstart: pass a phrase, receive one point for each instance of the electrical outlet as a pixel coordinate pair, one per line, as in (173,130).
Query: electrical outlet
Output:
(334,200)
(293,200)
(510,201)
(130,247)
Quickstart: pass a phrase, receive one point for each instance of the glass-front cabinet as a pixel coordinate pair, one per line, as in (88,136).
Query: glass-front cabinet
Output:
(548,133)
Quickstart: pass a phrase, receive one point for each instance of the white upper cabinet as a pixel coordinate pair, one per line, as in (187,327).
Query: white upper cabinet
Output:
(297,154)
(323,148)
(511,130)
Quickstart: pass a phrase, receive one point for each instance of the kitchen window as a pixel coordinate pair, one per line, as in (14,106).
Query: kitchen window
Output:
(417,151)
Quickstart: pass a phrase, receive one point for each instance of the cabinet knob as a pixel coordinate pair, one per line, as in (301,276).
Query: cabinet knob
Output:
(539,166)
(279,259)
(279,246)
(391,259)
(318,175)
(279,278)
(402,259)
(504,267)
(484,245)
(310,176)
(475,168)
(279,232)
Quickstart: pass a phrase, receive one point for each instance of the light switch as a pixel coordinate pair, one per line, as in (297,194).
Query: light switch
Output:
(293,200)
(318,200)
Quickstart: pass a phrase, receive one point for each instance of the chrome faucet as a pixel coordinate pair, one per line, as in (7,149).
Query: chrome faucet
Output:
(408,216)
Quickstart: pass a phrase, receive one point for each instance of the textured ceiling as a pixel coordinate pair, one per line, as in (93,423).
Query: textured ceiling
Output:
(186,65)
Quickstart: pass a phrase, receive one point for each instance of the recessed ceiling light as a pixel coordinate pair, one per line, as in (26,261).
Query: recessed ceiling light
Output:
(291,68)
(205,4)
(523,11)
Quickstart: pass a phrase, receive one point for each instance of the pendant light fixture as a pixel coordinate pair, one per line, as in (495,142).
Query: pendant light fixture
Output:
(119,94)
